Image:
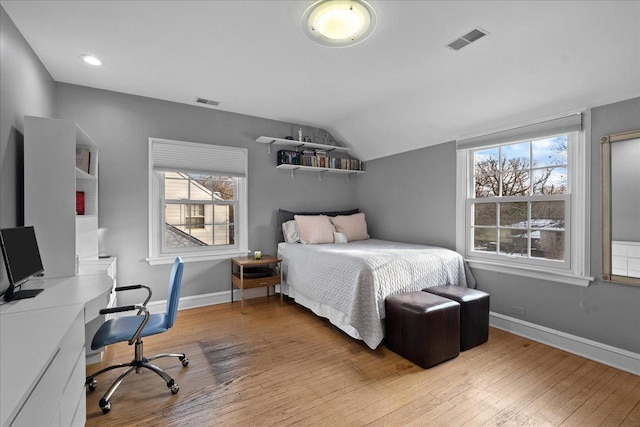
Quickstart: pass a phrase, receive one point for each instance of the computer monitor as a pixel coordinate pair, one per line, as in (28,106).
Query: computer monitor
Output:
(21,259)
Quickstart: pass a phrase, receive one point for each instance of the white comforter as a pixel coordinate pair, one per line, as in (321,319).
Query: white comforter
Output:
(348,283)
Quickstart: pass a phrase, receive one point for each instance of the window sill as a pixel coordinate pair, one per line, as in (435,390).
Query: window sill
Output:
(532,272)
(190,257)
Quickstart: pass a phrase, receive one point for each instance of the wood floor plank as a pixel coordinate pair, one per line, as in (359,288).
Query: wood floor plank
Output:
(625,407)
(507,396)
(633,419)
(282,365)
(549,405)
(590,408)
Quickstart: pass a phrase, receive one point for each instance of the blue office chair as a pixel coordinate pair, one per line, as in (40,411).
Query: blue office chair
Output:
(132,329)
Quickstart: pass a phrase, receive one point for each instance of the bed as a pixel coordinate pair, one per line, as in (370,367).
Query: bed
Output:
(347,283)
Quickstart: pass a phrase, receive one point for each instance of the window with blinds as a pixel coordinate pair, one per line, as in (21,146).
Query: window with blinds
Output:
(523,199)
(197,200)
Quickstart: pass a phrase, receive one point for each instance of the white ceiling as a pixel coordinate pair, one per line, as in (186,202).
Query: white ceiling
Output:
(399,90)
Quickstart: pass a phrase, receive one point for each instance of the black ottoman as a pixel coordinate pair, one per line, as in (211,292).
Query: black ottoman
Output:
(422,327)
(474,313)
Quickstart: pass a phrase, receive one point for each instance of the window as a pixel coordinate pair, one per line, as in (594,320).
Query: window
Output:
(198,207)
(522,201)
(198,210)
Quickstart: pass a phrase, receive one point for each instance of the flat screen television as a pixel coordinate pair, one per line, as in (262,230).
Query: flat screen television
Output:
(21,259)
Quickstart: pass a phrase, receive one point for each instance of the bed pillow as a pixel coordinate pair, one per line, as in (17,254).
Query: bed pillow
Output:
(284,216)
(340,237)
(314,229)
(290,232)
(354,226)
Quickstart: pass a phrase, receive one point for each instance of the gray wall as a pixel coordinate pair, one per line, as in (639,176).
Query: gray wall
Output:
(411,197)
(27,89)
(121,125)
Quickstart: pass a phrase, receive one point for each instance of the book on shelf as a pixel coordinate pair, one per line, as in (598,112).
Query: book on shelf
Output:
(288,157)
(79,202)
(317,160)
(83,159)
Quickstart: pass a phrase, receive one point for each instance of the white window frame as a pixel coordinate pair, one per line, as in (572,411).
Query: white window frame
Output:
(575,269)
(157,253)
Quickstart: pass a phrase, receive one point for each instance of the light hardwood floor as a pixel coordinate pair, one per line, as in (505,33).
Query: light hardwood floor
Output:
(283,365)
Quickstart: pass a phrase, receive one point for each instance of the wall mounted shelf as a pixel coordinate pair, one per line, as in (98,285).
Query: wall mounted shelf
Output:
(320,171)
(269,141)
(299,144)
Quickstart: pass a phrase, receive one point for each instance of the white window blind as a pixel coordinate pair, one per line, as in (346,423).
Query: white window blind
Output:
(192,157)
(570,123)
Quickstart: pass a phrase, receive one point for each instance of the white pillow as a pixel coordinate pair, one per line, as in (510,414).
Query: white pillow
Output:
(340,237)
(290,231)
(354,226)
(314,229)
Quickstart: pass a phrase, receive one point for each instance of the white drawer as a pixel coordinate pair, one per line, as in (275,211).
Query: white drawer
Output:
(74,393)
(43,406)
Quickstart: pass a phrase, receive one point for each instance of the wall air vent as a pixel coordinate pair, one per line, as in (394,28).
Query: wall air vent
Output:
(208,102)
(468,38)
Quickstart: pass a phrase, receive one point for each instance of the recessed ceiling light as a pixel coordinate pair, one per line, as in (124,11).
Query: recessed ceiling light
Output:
(339,23)
(90,59)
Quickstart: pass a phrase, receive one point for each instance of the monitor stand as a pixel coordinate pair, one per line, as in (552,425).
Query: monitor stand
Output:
(25,293)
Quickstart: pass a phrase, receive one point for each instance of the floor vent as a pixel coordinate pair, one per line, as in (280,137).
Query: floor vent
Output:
(468,38)
(207,101)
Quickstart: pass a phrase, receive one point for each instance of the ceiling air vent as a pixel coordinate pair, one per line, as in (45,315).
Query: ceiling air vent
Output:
(207,101)
(468,38)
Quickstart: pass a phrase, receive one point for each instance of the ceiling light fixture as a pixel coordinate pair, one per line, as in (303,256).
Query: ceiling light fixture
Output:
(339,23)
(90,59)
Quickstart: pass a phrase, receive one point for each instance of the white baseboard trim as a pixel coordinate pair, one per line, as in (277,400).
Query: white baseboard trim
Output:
(603,353)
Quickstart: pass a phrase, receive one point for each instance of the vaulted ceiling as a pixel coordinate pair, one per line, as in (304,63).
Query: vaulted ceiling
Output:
(399,90)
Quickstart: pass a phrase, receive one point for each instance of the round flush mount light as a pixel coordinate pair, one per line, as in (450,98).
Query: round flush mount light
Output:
(91,60)
(339,23)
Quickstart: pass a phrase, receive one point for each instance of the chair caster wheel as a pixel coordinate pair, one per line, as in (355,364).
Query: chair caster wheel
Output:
(93,384)
(105,406)
(175,388)
(185,362)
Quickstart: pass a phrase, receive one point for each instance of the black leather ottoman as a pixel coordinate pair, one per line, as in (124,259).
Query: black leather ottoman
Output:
(474,313)
(422,327)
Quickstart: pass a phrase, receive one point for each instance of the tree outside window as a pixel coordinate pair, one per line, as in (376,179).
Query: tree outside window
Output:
(520,204)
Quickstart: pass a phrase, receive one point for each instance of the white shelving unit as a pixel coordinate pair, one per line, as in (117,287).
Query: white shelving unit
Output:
(51,179)
(88,181)
(269,141)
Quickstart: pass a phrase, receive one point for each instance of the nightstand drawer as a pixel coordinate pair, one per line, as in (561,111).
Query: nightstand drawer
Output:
(255,283)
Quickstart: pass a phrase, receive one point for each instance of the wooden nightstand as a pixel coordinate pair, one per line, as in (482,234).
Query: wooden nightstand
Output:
(241,282)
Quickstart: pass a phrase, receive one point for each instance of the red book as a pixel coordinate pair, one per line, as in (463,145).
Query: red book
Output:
(79,202)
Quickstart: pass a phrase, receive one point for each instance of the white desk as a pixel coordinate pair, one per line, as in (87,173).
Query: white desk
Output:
(42,357)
